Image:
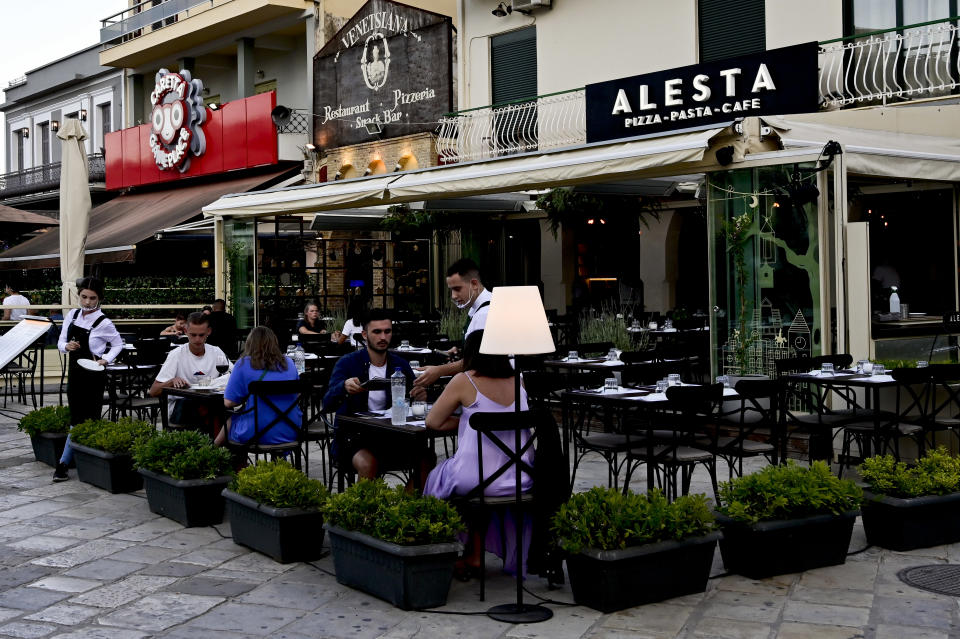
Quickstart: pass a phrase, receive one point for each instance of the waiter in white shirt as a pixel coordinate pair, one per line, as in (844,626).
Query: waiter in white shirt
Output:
(467,292)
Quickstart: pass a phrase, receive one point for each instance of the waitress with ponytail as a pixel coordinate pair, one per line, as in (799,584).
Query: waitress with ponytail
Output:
(87,336)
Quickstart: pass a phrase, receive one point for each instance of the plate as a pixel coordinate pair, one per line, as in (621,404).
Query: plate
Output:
(90,365)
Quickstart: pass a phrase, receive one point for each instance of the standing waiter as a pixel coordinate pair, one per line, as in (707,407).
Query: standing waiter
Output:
(87,335)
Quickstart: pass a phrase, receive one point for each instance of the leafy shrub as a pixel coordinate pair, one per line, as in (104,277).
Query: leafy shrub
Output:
(117,438)
(606,519)
(48,419)
(280,485)
(392,514)
(936,473)
(788,492)
(185,454)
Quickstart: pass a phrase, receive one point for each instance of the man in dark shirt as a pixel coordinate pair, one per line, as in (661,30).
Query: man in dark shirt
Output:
(223,329)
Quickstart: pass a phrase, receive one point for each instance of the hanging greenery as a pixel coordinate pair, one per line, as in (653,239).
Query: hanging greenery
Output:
(567,207)
(403,220)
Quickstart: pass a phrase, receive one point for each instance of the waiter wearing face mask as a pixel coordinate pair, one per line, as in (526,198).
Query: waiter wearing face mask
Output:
(467,292)
(87,336)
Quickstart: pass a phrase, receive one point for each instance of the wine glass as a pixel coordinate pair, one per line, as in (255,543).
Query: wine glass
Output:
(223,368)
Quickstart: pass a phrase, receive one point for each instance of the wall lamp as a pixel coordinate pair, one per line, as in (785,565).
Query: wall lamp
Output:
(83,115)
(337,176)
(25,132)
(373,128)
(213,106)
(54,125)
(502,10)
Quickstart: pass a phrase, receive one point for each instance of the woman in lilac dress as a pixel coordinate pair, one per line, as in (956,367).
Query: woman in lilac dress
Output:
(486,385)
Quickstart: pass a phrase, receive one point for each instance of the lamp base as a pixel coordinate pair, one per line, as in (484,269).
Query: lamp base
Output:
(522,613)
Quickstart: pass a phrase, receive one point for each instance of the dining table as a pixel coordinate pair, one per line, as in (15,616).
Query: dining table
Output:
(585,364)
(209,397)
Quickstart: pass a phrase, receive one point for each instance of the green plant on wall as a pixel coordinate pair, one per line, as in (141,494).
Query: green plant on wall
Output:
(234,258)
(737,233)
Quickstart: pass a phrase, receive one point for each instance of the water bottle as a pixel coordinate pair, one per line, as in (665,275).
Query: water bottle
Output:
(894,302)
(299,360)
(398,393)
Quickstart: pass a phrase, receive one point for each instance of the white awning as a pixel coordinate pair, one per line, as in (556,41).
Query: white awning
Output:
(609,162)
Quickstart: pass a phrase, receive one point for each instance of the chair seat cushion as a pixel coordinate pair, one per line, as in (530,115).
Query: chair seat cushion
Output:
(687,454)
(868,428)
(609,441)
(749,446)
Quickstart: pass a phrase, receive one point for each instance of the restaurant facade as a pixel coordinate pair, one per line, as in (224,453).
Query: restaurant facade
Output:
(804,158)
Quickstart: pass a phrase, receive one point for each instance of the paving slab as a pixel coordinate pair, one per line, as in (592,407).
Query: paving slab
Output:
(26,629)
(66,584)
(65,614)
(210,586)
(250,618)
(160,611)
(123,591)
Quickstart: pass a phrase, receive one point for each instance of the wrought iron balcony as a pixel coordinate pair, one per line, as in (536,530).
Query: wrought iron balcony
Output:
(894,65)
(46,178)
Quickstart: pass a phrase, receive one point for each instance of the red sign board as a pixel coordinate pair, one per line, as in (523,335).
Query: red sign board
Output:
(239,135)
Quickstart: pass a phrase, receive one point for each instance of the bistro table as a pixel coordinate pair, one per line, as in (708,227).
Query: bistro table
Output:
(210,398)
(411,440)
(584,364)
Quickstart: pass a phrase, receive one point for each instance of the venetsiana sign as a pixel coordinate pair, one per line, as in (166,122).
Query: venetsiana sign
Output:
(176,122)
(390,65)
(775,82)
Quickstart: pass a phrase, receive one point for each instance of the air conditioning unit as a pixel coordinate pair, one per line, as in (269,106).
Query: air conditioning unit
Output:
(531,5)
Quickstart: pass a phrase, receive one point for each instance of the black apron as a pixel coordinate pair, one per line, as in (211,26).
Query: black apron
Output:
(466,324)
(85,387)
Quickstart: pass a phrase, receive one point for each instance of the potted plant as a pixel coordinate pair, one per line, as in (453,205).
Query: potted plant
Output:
(909,507)
(47,427)
(786,519)
(103,452)
(184,475)
(628,550)
(393,544)
(275,509)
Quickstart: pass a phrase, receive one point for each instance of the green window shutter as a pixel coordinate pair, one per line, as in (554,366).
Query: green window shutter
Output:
(730,28)
(513,64)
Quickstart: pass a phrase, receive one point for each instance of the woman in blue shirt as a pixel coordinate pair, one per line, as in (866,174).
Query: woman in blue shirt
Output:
(262,360)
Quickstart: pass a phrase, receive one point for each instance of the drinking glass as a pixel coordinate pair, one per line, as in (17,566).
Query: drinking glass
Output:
(668,324)
(867,367)
(878,369)
(922,363)
(827,368)
(404,344)
(635,323)
(673,379)
(202,381)
(223,368)
(573,356)
(610,385)
(613,356)
(662,385)
(723,379)
(418,408)
(414,364)
(860,364)
(652,326)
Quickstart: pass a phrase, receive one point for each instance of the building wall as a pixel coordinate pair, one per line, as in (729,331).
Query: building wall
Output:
(381,156)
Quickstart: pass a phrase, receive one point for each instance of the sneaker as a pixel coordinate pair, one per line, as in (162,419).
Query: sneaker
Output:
(60,474)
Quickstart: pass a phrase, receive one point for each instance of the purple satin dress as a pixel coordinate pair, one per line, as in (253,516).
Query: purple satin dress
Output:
(459,474)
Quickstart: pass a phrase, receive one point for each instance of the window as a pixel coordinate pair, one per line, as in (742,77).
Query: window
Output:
(44,140)
(105,122)
(730,28)
(910,57)
(513,65)
(20,142)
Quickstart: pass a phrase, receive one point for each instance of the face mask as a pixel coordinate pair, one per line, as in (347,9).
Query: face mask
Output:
(467,303)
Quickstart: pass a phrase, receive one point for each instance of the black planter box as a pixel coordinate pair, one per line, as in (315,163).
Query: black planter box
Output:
(611,580)
(409,577)
(192,502)
(285,534)
(48,447)
(916,522)
(779,547)
(111,472)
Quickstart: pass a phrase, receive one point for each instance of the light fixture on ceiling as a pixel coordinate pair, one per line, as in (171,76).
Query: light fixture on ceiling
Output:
(83,115)
(502,10)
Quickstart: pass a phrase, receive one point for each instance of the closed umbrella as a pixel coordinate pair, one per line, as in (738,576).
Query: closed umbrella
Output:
(74,208)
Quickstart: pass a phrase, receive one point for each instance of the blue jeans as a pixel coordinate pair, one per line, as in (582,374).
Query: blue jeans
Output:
(67,455)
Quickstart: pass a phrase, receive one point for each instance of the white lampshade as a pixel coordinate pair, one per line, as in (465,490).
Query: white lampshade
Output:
(516,323)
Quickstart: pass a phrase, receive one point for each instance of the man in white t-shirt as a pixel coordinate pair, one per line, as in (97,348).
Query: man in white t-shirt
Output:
(14,298)
(186,363)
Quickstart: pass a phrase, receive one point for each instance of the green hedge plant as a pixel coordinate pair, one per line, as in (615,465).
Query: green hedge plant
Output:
(280,485)
(112,437)
(185,454)
(606,519)
(393,514)
(936,473)
(48,419)
(788,492)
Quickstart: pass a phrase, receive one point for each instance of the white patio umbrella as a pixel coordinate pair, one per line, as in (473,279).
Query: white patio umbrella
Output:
(74,208)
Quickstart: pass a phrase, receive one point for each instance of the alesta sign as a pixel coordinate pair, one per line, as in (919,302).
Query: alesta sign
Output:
(390,65)
(177,120)
(775,82)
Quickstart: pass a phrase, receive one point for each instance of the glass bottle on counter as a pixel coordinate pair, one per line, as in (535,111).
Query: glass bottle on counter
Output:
(894,301)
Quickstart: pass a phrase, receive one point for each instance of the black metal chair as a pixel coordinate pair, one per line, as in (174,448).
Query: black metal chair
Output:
(317,423)
(944,412)
(679,439)
(18,372)
(756,425)
(266,395)
(128,392)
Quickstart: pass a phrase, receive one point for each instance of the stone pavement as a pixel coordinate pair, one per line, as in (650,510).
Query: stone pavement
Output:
(77,562)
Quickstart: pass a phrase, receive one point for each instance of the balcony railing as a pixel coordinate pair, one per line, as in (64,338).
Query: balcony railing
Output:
(46,177)
(131,22)
(894,65)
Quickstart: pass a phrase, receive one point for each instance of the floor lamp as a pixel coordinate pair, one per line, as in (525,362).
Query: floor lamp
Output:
(517,325)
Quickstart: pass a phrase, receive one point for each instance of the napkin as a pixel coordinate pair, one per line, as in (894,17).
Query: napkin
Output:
(220,382)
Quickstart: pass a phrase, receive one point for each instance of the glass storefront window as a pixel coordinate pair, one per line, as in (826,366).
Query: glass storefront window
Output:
(239,249)
(764,267)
